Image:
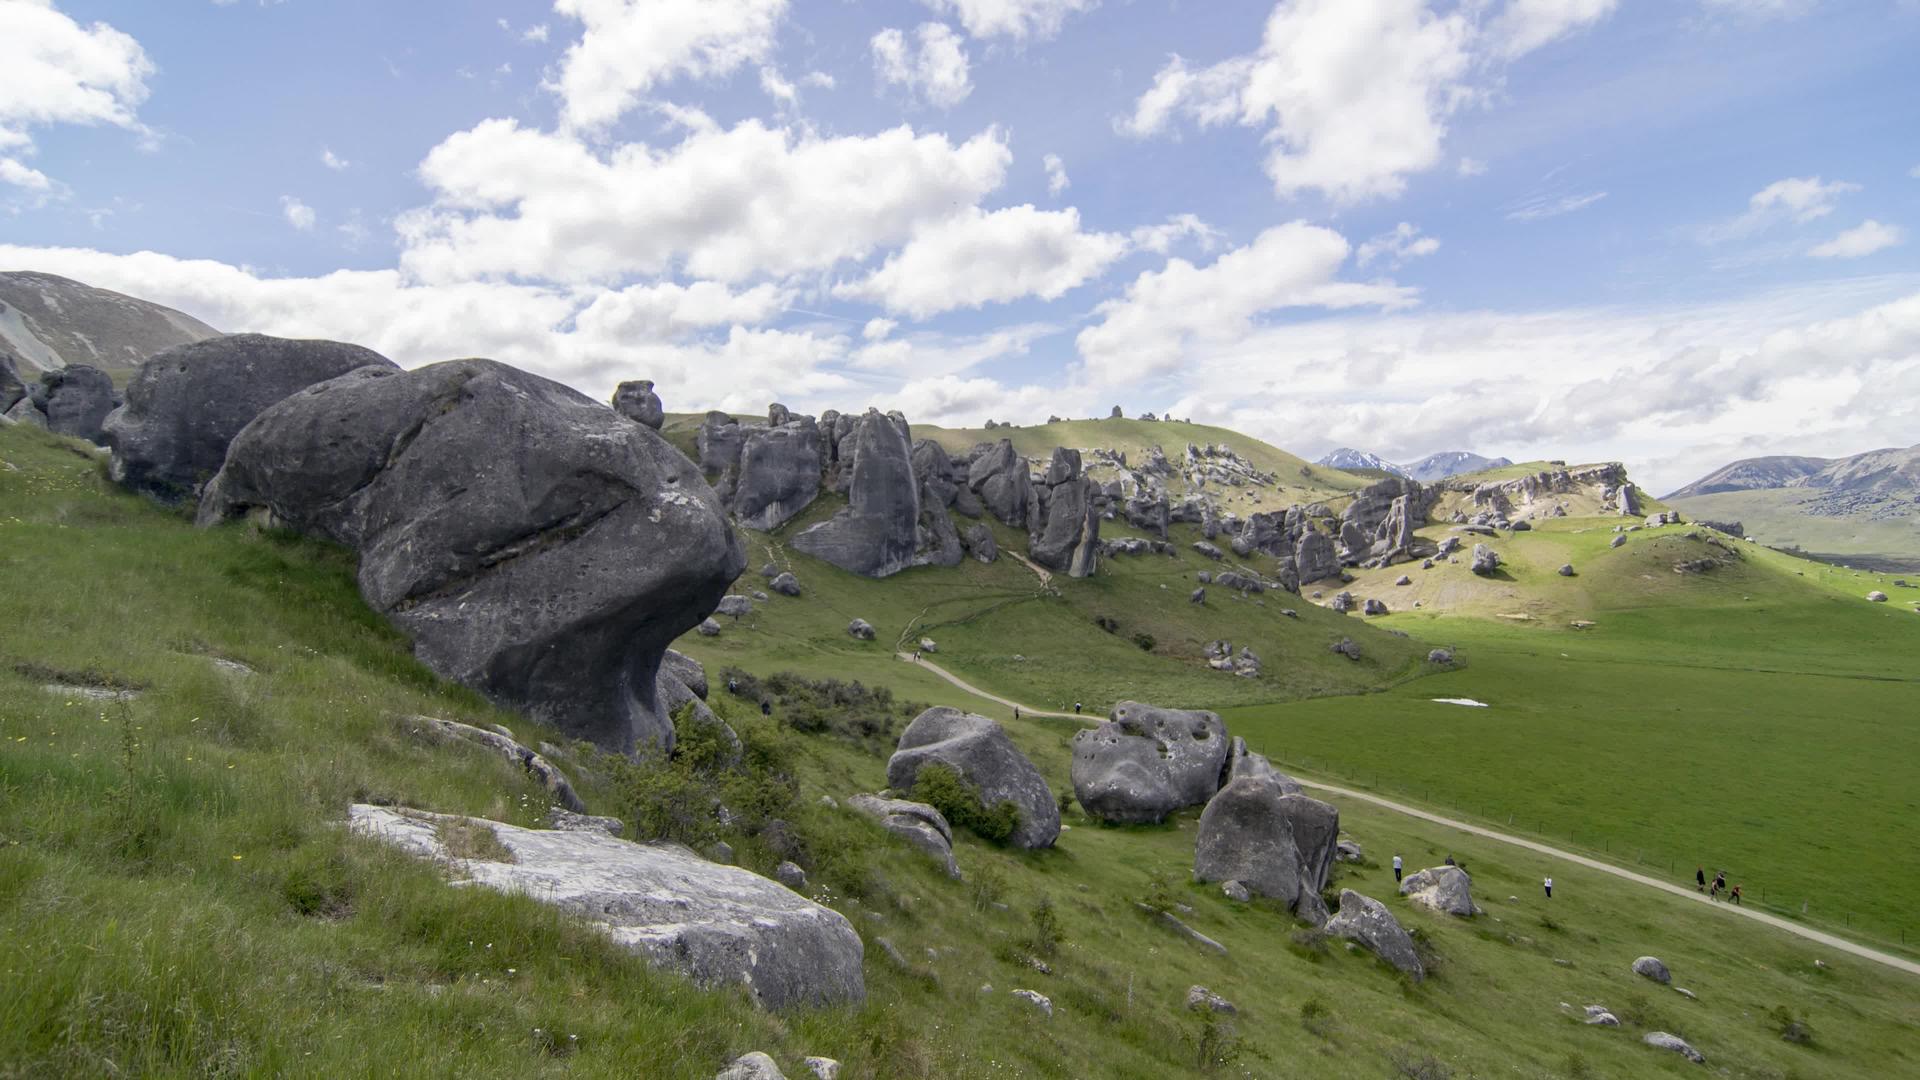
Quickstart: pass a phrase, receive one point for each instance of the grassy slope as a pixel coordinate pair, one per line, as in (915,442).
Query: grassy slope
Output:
(138,944)
(1758,718)
(1775,517)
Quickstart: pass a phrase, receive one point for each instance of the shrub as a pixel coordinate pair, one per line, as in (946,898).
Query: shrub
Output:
(986,886)
(868,717)
(1794,1029)
(1214,1042)
(1047,937)
(1145,641)
(1411,1063)
(943,788)
(1159,895)
(1316,1017)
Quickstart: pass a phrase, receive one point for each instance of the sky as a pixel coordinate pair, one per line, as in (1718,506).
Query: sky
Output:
(1666,232)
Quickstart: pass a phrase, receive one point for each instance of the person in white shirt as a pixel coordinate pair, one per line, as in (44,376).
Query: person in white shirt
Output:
(1396,869)
(1548,884)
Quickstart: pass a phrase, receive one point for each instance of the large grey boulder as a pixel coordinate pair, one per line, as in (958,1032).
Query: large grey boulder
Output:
(719,925)
(754,1066)
(1661,1040)
(1485,560)
(785,584)
(999,477)
(1314,557)
(979,750)
(877,534)
(917,823)
(1445,889)
(778,474)
(1146,762)
(1278,845)
(1367,921)
(719,442)
(79,397)
(184,406)
(979,542)
(12,389)
(535,545)
(637,402)
(1650,967)
(1063,517)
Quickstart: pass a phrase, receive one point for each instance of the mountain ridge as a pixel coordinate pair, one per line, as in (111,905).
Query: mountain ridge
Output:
(51,322)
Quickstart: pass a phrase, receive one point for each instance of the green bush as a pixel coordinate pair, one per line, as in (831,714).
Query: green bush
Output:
(944,789)
(867,716)
(1145,641)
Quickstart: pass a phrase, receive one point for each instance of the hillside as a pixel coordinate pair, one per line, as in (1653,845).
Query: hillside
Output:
(49,322)
(1863,509)
(178,900)
(1440,466)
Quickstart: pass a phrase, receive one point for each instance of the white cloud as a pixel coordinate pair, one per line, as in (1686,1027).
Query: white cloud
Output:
(630,46)
(775,85)
(59,72)
(878,328)
(1863,239)
(1403,244)
(535,34)
(1354,96)
(1165,312)
(819,79)
(1796,199)
(921,357)
(334,161)
(743,202)
(936,71)
(1539,208)
(1160,239)
(667,310)
(1017,19)
(298,214)
(1472,167)
(1526,25)
(1057,181)
(977,258)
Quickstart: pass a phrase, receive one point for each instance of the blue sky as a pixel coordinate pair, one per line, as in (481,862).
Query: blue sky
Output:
(1668,232)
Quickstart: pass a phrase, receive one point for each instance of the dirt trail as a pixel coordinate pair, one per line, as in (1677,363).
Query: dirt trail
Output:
(1685,893)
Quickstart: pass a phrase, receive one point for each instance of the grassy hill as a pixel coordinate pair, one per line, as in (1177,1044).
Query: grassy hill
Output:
(1779,517)
(178,900)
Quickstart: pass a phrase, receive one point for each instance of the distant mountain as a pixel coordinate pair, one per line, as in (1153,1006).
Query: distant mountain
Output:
(49,322)
(1452,463)
(1348,458)
(1756,474)
(1878,476)
(1863,509)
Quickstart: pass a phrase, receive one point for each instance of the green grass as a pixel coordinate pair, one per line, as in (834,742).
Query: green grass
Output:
(1776,517)
(177,899)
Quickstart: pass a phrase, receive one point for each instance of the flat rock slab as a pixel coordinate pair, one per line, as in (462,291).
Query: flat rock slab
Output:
(718,925)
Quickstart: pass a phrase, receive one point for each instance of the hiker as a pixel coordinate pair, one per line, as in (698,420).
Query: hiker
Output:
(1713,887)
(1450,861)
(766,707)
(1076,708)
(1396,869)
(1700,877)
(733,685)
(1548,885)
(916,656)
(1016,712)
(1735,896)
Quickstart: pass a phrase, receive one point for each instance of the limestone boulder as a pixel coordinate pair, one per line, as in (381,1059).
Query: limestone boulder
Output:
(877,535)
(1367,921)
(980,751)
(719,925)
(535,545)
(999,477)
(1279,845)
(917,823)
(637,402)
(1444,889)
(778,474)
(78,399)
(1146,762)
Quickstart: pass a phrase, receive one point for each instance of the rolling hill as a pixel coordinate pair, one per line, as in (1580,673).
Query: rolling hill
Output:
(49,322)
(1863,509)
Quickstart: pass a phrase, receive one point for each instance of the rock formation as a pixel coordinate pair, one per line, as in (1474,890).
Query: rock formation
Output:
(1443,889)
(979,750)
(1146,762)
(778,474)
(1277,845)
(999,477)
(534,544)
(78,399)
(1063,519)
(916,823)
(882,531)
(1367,921)
(637,402)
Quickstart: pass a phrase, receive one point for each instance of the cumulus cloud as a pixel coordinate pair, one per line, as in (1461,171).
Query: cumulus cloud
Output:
(60,72)
(725,204)
(1160,238)
(1355,95)
(935,70)
(1471,167)
(1016,19)
(1148,330)
(1862,240)
(1057,181)
(298,214)
(1397,247)
(630,46)
(978,257)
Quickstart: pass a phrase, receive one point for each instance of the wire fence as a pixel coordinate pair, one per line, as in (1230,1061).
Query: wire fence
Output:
(1822,913)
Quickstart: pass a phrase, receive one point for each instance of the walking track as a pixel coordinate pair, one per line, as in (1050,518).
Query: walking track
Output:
(1842,944)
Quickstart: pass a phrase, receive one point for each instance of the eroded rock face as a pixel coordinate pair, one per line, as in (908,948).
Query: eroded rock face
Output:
(999,477)
(917,823)
(1485,560)
(1314,558)
(979,542)
(1278,845)
(778,474)
(877,534)
(1064,519)
(1445,889)
(534,545)
(12,389)
(1367,921)
(79,397)
(979,750)
(1146,762)
(637,402)
(184,406)
(719,925)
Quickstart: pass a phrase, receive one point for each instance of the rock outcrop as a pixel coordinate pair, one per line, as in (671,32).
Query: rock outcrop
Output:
(1146,762)
(1063,518)
(979,750)
(535,545)
(78,399)
(1485,560)
(778,474)
(1277,845)
(719,925)
(1367,921)
(1444,889)
(916,823)
(999,478)
(880,532)
(434,729)
(637,402)
(185,406)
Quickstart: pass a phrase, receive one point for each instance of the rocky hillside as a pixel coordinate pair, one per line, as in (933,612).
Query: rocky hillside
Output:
(1864,508)
(50,322)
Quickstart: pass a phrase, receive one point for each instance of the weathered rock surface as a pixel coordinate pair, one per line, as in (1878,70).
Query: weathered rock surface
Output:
(636,401)
(916,823)
(535,545)
(1201,999)
(1039,1001)
(12,389)
(979,542)
(1278,845)
(778,474)
(785,584)
(878,533)
(1063,518)
(1445,889)
(185,405)
(754,1066)
(979,750)
(719,925)
(1367,921)
(1146,762)
(1485,560)
(79,397)
(861,629)
(1661,1040)
(999,478)
(543,771)
(1650,967)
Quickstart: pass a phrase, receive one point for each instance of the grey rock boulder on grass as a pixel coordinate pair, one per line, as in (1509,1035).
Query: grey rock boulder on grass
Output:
(1146,762)
(1485,560)
(779,475)
(915,822)
(636,401)
(1444,889)
(184,406)
(877,535)
(535,546)
(1661,1040)
(79,397)
(1367,921)
(999,478)
(1278,845)
(979,750)
(719,925)
(1650,967)
(754,1066)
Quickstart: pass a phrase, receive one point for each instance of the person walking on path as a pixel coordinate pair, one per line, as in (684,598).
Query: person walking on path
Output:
(1700,877)
(1396,869)
(1076,708)
(1735,896)
(766,707)
(1548,885)
(1719,882)
(1016,712)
